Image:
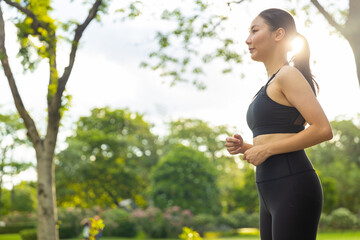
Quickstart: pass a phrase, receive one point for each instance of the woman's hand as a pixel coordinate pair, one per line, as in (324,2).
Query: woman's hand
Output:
(235,144)
(256,155)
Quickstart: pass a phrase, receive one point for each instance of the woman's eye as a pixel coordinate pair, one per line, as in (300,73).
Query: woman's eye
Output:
(254,31)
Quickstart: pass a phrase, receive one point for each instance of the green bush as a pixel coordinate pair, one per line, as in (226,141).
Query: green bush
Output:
(175,219)
(204,223)
(150,221)
(16,227)
(244,220)
(253,220)
(186,178)
(117,223)
(342,219)
(69,222)
(17,221)
(28,234)
(240,219)
(324,223)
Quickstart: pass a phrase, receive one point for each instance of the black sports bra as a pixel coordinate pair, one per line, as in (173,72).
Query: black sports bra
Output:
(266,116)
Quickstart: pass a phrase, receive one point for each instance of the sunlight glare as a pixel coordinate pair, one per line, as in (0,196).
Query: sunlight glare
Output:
(296,45)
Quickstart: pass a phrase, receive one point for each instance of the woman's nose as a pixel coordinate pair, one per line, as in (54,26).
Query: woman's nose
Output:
(248,40)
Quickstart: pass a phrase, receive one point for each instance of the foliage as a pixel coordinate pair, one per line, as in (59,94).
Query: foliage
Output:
(96,227)
(33,22)
(199,135)
(175,219)
(180,55)
(185,178)
(331,197)
(245,195)
(16,227)
(69,222)
(189,234)
(241,219)
(118,223)
(12,139)
(204,222)
(107,160)
(21,198)
(333,159)
(17,221)
(28,234)
(342,219)
(151,221)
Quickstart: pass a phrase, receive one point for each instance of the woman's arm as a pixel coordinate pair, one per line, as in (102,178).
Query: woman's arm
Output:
(299,93)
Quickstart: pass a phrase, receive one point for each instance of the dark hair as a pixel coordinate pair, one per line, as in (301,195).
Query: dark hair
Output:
(278,18)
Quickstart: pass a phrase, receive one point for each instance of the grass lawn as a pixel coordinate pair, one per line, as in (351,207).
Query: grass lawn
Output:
(321,236)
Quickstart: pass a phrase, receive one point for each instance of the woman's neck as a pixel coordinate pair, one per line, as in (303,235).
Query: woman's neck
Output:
(274,63)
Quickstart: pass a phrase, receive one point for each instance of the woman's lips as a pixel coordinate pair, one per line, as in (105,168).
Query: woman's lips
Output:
(251,50)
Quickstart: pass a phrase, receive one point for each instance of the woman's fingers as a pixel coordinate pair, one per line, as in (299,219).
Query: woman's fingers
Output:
(233,140)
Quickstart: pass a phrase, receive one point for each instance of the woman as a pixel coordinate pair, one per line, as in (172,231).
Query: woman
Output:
(289,189)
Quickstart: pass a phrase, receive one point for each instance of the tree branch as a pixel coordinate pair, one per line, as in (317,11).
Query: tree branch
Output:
(236,2)
(28,13)
(328,17)
(78,33)
(28,121)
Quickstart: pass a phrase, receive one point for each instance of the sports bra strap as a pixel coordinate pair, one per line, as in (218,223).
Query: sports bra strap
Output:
(272,77)
(275,74)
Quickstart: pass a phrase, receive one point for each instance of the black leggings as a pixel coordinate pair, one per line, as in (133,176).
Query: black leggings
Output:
(290,196)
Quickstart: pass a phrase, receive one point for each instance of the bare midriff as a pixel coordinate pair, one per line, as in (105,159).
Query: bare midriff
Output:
(268,138)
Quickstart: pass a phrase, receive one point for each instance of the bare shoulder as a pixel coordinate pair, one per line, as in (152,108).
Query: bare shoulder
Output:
(290,76)
(289,72)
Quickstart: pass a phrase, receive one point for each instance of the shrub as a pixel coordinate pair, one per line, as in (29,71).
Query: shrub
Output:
(16,227)
(17,221)
(324,223)
(28,234)
(185,177)
(118,223)
(150,221)
(189,234)
(342,219)
(70,222)
(253,220)
(175,219)
(204,222)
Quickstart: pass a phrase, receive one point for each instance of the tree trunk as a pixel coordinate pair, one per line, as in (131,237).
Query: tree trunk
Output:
(353,38)
(354,43)
(47,212)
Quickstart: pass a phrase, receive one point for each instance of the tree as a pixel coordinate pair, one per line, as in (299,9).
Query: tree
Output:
(12,136)
(34,22)
(199,135)
(185,178)
(338,162)
(21,198)
(204,137)
(107,160)
(350,29)
(246,195)
(184,51)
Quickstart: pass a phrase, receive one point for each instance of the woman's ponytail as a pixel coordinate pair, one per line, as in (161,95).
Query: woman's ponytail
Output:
(301,61)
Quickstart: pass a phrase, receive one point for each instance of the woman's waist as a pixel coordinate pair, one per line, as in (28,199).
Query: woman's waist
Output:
(283,165)
(269,138)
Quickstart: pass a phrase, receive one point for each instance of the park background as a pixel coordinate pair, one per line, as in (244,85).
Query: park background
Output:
(168,128)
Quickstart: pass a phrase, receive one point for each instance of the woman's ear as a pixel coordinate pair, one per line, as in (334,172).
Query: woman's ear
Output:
(279,34)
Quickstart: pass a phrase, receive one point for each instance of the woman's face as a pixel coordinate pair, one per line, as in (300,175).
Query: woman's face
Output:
(260,41)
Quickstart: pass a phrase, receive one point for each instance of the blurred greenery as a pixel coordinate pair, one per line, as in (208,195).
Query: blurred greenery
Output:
(107,159)
(113,155)
(184,177)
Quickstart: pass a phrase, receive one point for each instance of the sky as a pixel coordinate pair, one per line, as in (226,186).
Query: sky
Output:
(107,73)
